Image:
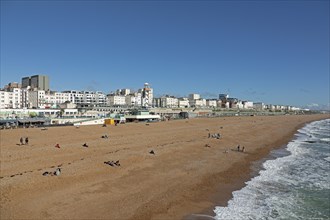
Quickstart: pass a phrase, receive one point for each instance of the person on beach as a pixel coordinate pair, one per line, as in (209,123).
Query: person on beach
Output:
(21,141)
(238,148)
(85,145)
(57,146)
(57,172)
(243,149)
(26,140)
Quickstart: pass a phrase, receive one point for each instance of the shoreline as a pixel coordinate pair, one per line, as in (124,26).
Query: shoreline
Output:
(183,176)
(254,166)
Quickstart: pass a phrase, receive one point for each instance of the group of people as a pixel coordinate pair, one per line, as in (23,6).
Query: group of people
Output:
(57,172)
(84,145)
(216,135)
(112,163)
(105,136)
(21,140)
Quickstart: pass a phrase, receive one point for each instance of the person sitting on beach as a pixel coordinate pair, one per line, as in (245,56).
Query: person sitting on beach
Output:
(57,146)
(85,145)
(57,172)
(117,163)
(152,152)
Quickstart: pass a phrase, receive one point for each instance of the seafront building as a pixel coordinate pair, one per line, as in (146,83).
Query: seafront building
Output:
(212,103)
(183,103)
(34,94)
(116,100)
(86,98)
(166,101)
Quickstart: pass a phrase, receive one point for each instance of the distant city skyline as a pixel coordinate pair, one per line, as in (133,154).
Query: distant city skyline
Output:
(270,51)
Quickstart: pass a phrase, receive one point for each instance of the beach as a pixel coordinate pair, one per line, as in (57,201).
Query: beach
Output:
(188,172)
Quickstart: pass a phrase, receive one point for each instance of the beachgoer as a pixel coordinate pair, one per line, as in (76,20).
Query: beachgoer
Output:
(57,145)
(152,152)
(243,149)
(85,145)
(57,172)
(26,140)
(209,135)
(238,148)
(21,141)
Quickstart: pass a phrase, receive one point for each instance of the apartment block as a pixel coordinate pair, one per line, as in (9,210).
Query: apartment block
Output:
(87,97)
(116,100)
(167,102)
(211,103)
(183,102)
(39,82)
(194,96)
(197,102)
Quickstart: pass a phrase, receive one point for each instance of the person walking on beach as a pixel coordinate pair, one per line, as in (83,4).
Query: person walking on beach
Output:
(243,149)
(21,141)
(238,148)
(26,140)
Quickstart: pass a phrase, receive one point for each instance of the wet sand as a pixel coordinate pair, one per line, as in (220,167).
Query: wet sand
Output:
(182,177)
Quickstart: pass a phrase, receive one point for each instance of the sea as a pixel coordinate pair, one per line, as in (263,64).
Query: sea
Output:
(294,183)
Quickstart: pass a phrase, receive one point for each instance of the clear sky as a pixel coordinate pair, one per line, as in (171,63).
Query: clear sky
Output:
(271,51)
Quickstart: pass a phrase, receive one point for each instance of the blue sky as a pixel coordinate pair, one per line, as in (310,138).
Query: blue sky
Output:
(271,51)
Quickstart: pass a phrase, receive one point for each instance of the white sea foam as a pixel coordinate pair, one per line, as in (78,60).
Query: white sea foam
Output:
(325,139)
(280,190)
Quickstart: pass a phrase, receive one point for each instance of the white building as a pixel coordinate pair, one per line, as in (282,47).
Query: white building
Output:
(197,102)
(211,103)
(116,100)
(61,97)
(13,96)
(239,104)
(11,99)
(259,106)
(42,99)
(247,105)
(87,97)
(168,102)
(54,99)
(4,100)
(147,95)
(194,96)
(37,99)
(219,103)
(183,103)
(130,100)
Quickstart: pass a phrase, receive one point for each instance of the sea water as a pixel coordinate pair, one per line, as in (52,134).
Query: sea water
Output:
(294,185)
